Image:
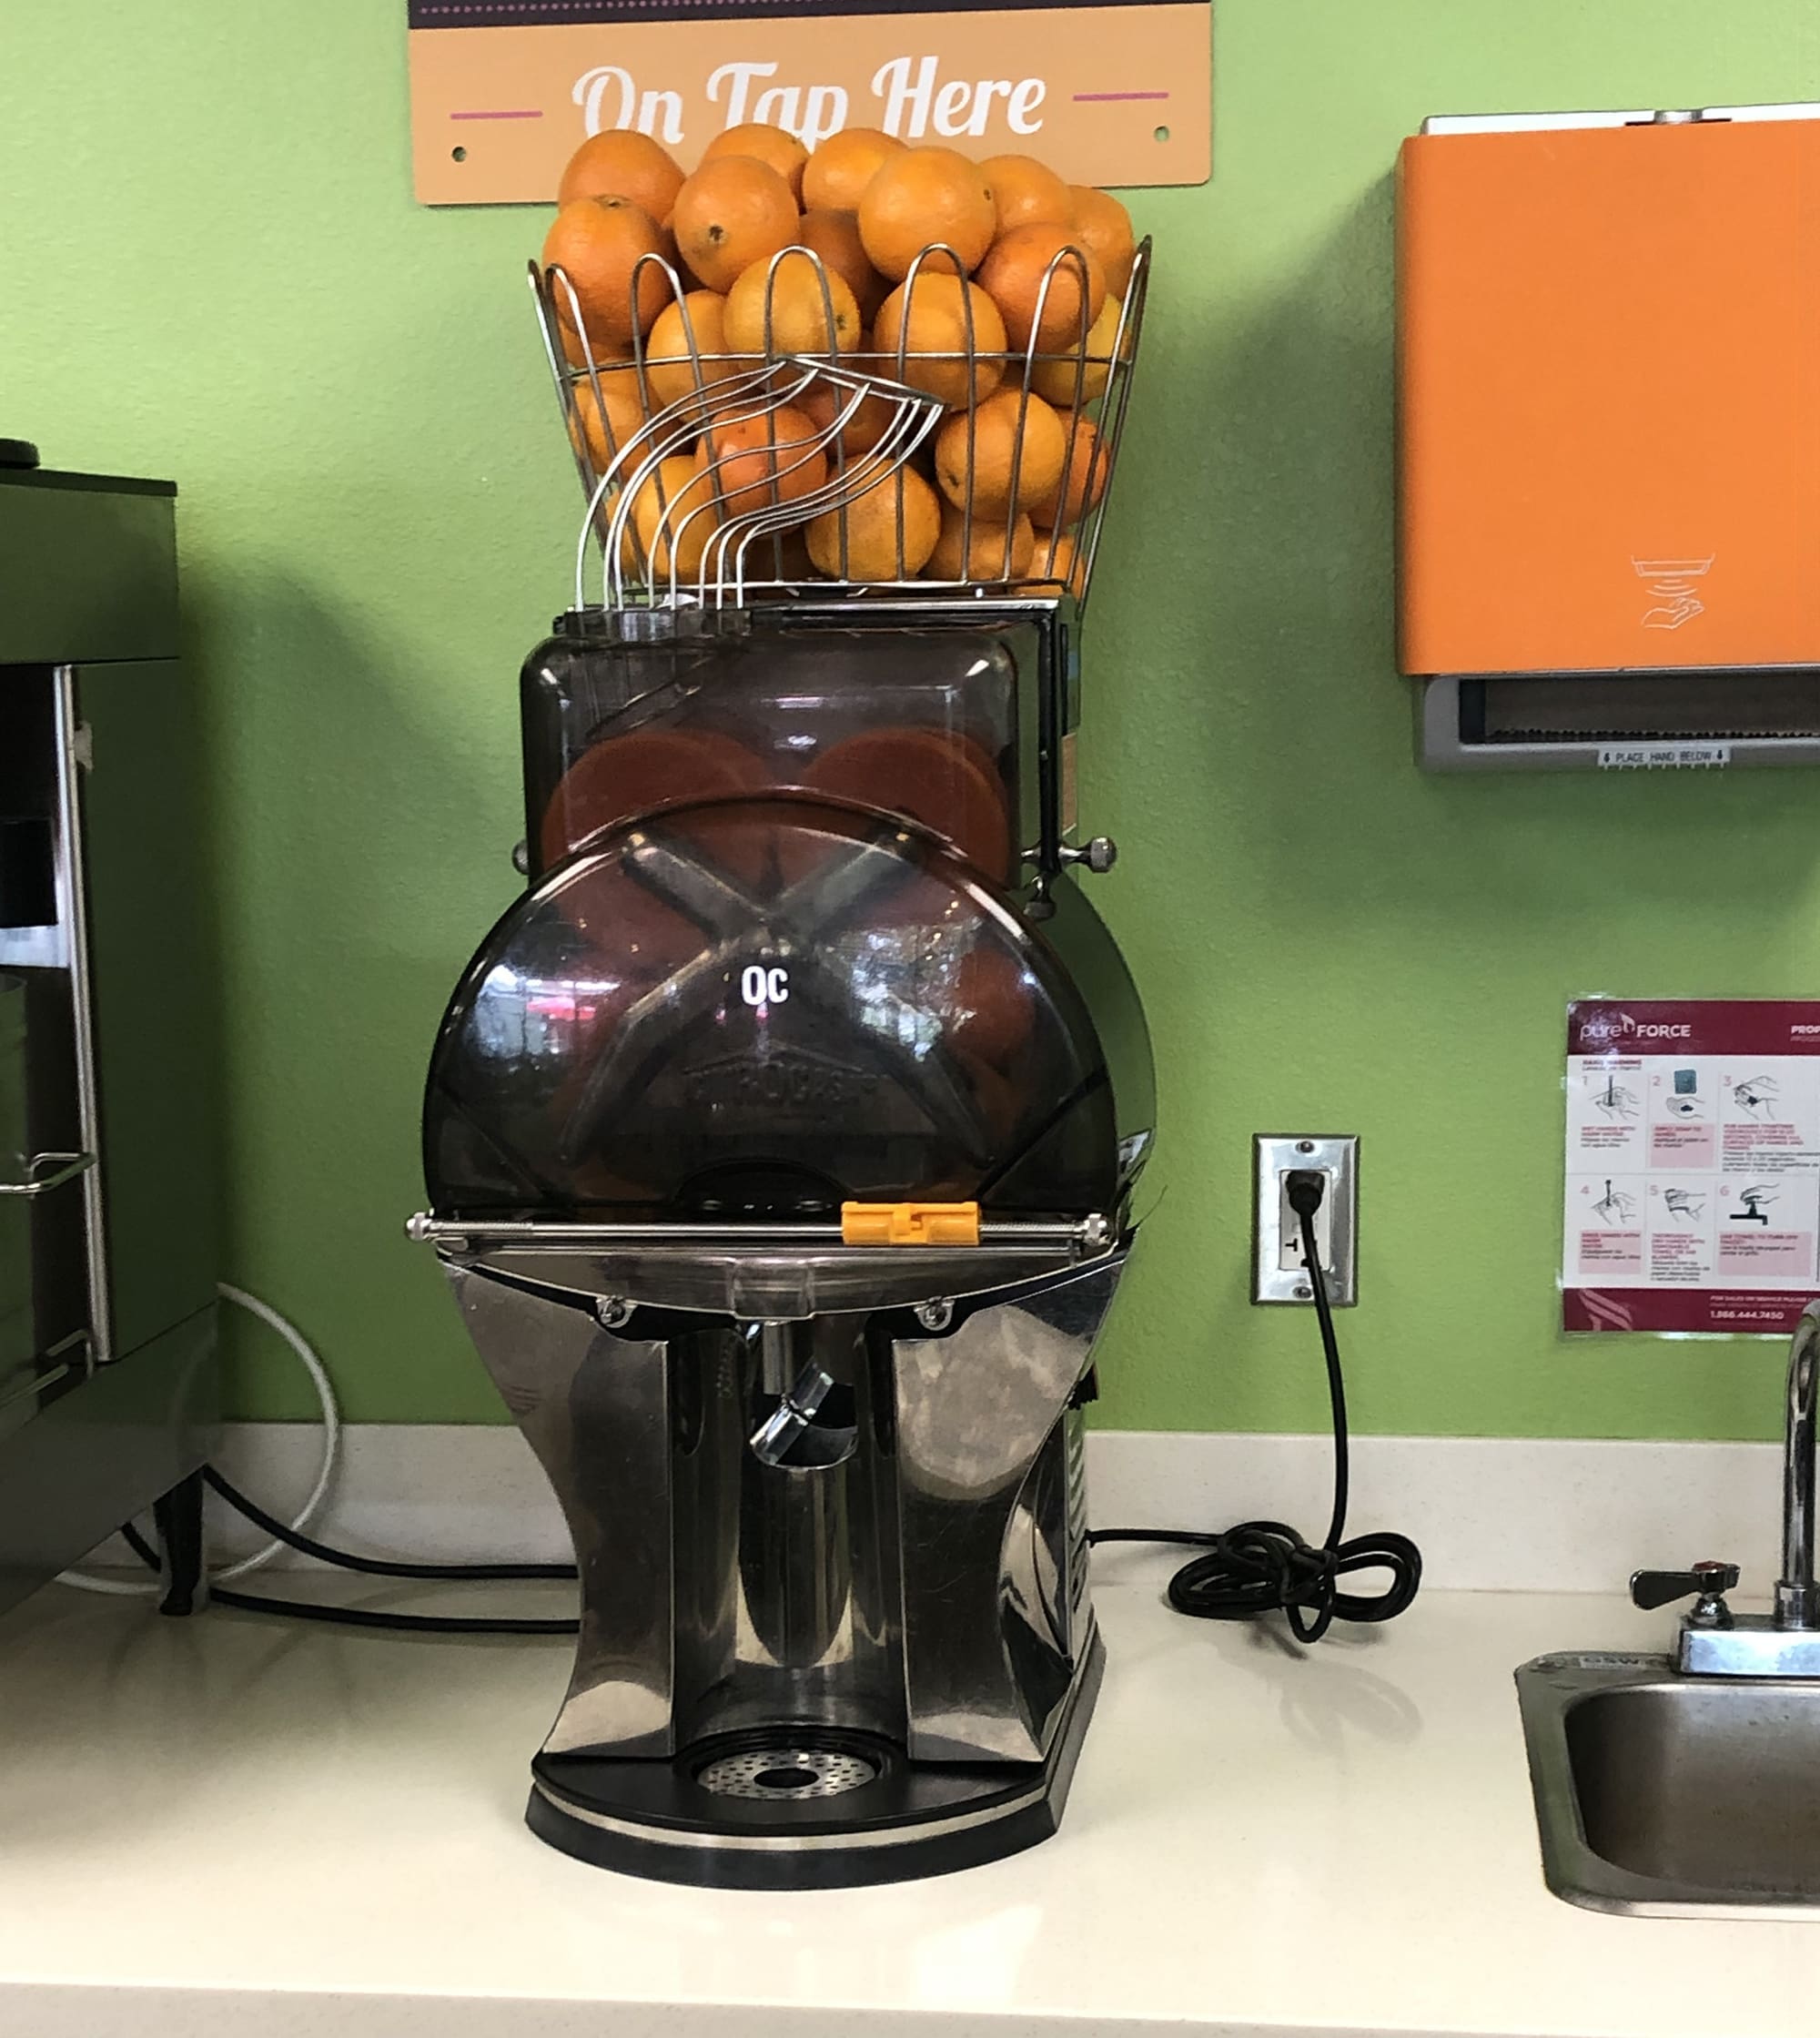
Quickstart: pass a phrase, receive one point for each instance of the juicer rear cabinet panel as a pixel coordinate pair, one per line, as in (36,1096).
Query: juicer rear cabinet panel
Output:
(1609,428)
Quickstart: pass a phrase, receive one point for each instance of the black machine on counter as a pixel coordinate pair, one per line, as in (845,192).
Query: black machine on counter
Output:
(779,1141)
(108,1186)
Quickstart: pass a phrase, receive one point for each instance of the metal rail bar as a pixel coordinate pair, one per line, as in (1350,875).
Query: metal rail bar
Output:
(1093,1231)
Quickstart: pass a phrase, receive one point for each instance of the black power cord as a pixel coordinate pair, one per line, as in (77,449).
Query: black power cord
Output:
(397,1624)
(1257,1567)
(372,1567)
(1265,1567)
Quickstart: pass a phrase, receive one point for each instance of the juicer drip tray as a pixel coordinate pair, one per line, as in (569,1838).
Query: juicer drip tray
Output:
(776,1774)
(805,1807)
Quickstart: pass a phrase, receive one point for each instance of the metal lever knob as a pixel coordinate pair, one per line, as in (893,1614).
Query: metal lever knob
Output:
(1099,855)
(42,1172)
(1710,1581)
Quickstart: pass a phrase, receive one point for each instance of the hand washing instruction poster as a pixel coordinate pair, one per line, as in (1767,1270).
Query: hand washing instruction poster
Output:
(1693,1165)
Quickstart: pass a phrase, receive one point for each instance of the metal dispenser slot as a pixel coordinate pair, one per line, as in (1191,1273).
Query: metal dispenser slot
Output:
(1588,721)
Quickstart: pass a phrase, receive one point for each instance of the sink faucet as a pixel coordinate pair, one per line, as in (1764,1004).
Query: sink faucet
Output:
(1715,1642)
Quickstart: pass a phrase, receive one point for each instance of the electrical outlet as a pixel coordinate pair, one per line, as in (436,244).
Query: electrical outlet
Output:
(1277,1273)
(1291,1257)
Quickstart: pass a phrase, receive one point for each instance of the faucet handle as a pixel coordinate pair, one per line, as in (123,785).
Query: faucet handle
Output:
(1709,1581)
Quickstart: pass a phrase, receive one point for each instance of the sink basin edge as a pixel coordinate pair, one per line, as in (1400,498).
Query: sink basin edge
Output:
(1628,1759)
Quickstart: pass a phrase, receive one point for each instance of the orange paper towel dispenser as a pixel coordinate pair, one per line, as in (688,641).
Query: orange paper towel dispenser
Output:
(1609,392)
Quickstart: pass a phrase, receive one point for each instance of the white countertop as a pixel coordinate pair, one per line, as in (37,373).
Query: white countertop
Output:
(232,1823)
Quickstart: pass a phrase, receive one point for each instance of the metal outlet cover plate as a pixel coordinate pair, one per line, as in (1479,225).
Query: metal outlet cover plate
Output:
(1276,1275)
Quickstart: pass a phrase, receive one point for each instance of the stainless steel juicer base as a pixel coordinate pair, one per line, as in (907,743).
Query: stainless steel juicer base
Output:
(660,1819)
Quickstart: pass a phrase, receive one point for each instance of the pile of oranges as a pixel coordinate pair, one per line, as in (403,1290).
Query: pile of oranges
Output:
(992,287)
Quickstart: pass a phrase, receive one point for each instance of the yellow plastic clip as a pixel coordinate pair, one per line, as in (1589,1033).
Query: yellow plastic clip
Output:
(910,1223)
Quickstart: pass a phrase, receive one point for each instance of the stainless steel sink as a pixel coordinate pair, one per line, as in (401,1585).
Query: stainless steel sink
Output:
(1663,1795)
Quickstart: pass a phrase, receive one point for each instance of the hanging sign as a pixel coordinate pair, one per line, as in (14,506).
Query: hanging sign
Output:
(1693,1165)
(1115,92)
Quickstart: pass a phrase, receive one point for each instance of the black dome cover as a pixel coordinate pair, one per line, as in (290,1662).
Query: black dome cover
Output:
(766,1007)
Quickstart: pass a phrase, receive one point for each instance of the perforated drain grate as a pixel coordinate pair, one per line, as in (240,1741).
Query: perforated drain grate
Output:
(785,1772)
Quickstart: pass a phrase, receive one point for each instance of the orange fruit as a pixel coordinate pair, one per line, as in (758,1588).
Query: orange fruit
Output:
(759,462)
(1026,193)
(925,195)
(868,420)
(1058,561)
(929,317)
(631,560)
(835,238)
(897,511)
(1103,225)
(795,304)
(674,515)
(671,370)
(604,440)
(976,453)
(622,164)
(734,211)
(1014,276)
(597,243)
(992,553)
(835,175)
(606,360)
(774,566)
(780,556)
(765,144)
(580,341)
(1090,468)
(1056,380)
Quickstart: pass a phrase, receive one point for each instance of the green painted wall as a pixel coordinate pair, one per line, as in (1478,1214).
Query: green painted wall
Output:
(211,267)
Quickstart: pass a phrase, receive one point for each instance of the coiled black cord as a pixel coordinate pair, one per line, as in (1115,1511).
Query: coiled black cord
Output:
(1265,1567)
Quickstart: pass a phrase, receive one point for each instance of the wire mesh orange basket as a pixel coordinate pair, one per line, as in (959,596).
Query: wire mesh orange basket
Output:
(890,468)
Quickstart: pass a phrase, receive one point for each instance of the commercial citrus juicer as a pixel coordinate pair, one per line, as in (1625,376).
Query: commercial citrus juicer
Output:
(779,1141)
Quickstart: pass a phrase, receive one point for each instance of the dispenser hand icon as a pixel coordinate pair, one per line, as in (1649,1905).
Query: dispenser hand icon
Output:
(1615,1100)
(1757,1095)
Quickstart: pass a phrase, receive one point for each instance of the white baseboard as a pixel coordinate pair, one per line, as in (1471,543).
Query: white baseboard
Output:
(1499,1514)
(1490,1514)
